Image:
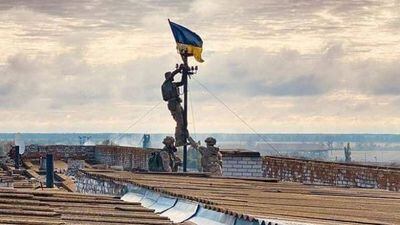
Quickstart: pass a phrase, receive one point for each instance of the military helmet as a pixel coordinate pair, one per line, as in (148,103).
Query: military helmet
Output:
(168,140)
(168,75)
(210,141)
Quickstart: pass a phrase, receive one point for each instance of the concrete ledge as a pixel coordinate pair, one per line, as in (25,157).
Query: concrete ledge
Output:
(239,153)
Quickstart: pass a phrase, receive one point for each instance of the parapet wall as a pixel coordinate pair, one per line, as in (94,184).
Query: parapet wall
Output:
(93,185)
(234,163)
(241,164)
(330,173)
(130,158)
(238,164)
(60,151)
(127,157)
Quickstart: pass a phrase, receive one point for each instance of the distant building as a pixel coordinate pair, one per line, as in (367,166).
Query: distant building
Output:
(295,149)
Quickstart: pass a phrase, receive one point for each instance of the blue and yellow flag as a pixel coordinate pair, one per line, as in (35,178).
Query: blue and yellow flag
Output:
(187,41)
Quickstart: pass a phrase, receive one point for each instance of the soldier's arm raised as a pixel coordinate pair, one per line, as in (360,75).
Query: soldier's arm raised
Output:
(176,71)
(197,146)
(181,83)
(202,150)
(193,143)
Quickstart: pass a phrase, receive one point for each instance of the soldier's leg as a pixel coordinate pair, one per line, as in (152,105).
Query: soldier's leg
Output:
(180,132)
(177,113)
(175,168)
(184,133)
(177,163)
(173,107)
(166,161)
(215,170)
(204,164)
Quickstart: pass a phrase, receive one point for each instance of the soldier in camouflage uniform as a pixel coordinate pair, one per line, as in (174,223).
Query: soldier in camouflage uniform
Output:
(211,158)
(170,93)
(170,161)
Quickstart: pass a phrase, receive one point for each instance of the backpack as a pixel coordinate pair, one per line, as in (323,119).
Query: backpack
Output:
(168,90)
(155,162)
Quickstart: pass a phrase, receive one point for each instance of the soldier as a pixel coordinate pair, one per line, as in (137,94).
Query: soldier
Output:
(347,152)
(170,93)
(211,158)
(170,161)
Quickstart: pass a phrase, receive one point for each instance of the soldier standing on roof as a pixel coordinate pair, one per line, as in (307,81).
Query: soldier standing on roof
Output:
(211,158)
(170,93)
(170,162)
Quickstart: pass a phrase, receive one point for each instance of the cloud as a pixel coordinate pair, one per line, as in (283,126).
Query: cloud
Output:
(98,65)
(19,81)
(378,78)
(280,88)
(67,80)
(255,72)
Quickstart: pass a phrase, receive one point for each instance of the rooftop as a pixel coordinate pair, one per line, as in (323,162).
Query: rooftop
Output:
(25,201)
(9,177)
(53,207)
(252,198)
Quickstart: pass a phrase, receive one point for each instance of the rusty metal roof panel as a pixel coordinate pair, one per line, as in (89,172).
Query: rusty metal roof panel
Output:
(53,207)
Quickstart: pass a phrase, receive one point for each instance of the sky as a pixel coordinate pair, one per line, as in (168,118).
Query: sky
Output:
(283,66)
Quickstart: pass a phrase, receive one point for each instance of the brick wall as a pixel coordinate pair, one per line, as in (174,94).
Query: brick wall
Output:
(127,157)
(60,151)
(74,166)
(241,164)
(93,185)
(329,173)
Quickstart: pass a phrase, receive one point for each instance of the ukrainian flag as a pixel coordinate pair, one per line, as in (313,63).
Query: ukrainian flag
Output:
(187,41)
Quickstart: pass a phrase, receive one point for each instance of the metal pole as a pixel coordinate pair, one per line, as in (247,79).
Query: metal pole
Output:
(49,171)
(16,157)
(185,108)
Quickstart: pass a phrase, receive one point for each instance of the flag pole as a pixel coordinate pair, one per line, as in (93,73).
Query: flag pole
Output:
(195,42)
(185,73)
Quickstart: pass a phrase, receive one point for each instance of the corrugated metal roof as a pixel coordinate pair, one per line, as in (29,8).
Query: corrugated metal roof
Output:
(21,204)
(283,201)
(9,177)
(47,207)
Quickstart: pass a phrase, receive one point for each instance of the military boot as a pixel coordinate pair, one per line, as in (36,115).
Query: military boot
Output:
(180,137)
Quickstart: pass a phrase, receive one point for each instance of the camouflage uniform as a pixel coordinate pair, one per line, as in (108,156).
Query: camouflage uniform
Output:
(170,161)
(174,105)
(166,161)
(211,158)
